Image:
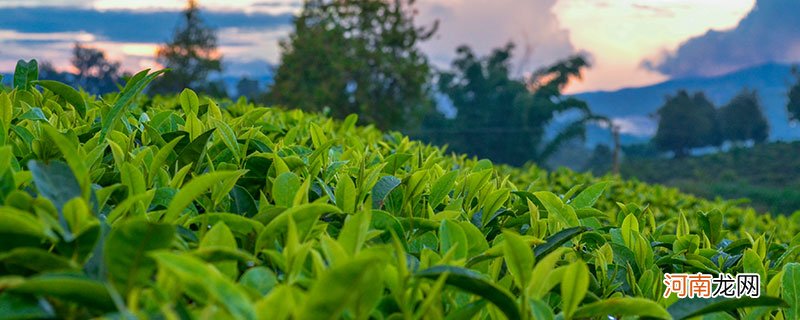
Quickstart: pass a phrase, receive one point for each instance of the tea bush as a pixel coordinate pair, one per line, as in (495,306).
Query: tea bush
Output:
(125,206)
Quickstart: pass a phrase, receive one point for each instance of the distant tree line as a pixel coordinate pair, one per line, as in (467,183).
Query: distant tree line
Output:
(363,57)
(689,121)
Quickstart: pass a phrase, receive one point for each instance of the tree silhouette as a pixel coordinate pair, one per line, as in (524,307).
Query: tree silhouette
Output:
(504,118)
(686,122)
(356,56)
(742,119)
(793,106)
(191,54)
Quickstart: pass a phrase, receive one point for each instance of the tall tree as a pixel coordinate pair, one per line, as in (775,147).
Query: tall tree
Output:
(708,111)
(356,56)
(96,74)
(742,119)
(794,97)
(503,117)
(685,122)
(247,87)
(191,54)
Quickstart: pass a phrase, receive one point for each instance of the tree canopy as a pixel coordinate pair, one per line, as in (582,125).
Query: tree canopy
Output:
(686,122)
(504,117)
(793,106)
(356,56)
(191,55)
(742,119)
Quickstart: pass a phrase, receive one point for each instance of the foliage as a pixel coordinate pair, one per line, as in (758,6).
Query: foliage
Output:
(686,122)
(742,119)
(187,207)
(356,56)
(503,118)
(191,55)
(767,175)
(95,73)
(793,105)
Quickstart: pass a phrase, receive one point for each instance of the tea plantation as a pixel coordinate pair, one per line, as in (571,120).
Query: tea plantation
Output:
(125,206)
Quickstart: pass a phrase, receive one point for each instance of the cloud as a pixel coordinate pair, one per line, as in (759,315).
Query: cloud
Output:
(117,25)
(488,24)
(769,33)
(48,34)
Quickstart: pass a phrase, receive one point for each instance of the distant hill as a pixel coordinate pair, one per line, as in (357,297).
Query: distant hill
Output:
(635,105)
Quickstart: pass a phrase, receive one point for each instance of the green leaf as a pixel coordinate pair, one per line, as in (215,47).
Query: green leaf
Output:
(259,279)
(23,306)
(474,283)
(36,259)
(451,235)
(160,158)
(25,73)
(88,293)
(6,111)
(284,189)
(493,202)
(345,194)
(544,270)
(518,256)
(791,289)
(195,150)
(305,216)
(221,236)
(126,250)
(68,93)
(194,271)
(573,287)
(690,308)
(623,306)
(557,209)
(711,224)
(135,85)
(354,231)
(243,203)
(557,240)
(228,137)
(395,161)
(189,101)
(356,285)
(382,188)
(56,183)
(588,197)
(441,188)
(189,192)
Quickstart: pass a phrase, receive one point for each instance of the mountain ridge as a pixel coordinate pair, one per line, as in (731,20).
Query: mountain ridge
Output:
(632,107)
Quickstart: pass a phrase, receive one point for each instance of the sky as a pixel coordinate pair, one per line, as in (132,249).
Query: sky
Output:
(629,43)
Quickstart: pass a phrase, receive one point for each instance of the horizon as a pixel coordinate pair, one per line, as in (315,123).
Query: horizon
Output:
(625,40)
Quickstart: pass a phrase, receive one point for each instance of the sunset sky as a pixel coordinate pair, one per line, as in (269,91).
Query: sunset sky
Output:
(630,43)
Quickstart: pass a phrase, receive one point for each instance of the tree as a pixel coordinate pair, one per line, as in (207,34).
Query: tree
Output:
(191,54)
(504,118)
(95,73)
(742,119)
(794,97)
(708,111)
(247,87)
(356,56)
(686,122)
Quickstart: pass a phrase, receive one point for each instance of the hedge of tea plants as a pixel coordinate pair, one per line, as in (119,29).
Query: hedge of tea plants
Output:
(125,206)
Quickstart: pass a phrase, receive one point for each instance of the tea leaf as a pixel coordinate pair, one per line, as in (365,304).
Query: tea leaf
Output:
(472,282)
(68,93)
(126,250)
(626,306)
(690,308)
(573,287)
